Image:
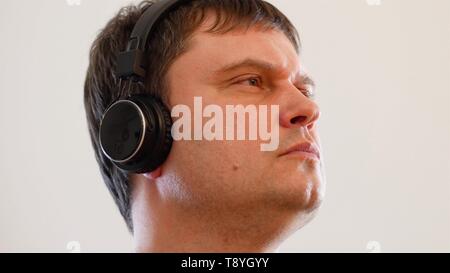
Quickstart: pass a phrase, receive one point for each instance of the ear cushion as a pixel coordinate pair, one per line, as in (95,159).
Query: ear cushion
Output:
(167,128)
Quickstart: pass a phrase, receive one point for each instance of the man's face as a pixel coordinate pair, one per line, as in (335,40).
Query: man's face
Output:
(235,175)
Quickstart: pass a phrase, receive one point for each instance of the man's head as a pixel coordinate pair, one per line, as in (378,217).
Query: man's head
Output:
(228,52)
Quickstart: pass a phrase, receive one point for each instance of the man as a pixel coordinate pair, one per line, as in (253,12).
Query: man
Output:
(217,195)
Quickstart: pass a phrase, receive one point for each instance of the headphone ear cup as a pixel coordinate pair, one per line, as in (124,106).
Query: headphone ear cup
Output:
(158,142)
(151,149)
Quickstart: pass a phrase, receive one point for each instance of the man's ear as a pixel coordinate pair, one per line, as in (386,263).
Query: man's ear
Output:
(153,174)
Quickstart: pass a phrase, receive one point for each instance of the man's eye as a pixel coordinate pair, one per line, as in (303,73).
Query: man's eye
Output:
(257,82)
(252,81)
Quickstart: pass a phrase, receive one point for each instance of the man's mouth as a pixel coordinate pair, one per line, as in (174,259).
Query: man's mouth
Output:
(305,149)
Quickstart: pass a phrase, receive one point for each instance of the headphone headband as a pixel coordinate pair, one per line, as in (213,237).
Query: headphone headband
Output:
(132,62)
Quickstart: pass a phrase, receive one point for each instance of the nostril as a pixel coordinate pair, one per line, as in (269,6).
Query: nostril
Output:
(297,120)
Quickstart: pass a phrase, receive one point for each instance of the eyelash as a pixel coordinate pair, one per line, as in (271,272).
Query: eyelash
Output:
(306,92)
(251,78)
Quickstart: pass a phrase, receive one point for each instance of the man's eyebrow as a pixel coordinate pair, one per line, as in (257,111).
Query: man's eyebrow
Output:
(263,65)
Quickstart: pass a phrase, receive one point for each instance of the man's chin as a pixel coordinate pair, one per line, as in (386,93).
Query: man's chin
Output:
(307,207)
(298,194)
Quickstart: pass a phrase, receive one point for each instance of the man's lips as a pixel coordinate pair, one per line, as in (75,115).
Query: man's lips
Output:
(304,147)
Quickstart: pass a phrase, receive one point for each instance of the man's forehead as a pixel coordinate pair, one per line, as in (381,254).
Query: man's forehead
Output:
(211,54)
(268,51)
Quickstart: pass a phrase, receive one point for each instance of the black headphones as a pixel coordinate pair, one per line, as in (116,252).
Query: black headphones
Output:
(135,133)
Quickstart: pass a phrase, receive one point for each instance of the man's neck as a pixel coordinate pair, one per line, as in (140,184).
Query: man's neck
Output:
(170,229)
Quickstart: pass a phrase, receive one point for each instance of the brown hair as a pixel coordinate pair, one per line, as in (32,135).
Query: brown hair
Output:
(102,87)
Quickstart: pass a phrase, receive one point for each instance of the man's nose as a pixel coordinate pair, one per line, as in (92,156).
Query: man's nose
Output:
(296,109)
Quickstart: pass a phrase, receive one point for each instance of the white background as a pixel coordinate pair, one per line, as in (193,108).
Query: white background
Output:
(383,74)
